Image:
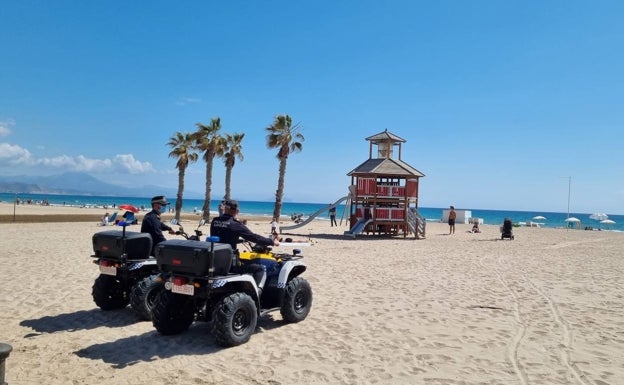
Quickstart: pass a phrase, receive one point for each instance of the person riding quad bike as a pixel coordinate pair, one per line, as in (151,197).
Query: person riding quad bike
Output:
(231,231)
(209,281)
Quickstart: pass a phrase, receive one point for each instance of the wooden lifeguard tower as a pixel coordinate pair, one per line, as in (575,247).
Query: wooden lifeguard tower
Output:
(384,191)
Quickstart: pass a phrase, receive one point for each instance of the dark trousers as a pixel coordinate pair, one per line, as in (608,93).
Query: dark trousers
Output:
(257,271)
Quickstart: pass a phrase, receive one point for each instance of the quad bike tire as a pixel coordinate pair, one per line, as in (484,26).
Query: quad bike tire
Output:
(172,313)
(234,319)
(143,296)
(109,293)
(297,300)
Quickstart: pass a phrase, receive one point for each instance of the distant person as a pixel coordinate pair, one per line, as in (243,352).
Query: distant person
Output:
(274,228)
(105,220)
(221,208)
(475,228)
(451,220)
(152,224)
(332,216)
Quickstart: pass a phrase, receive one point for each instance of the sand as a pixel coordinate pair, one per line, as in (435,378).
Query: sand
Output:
(545,308)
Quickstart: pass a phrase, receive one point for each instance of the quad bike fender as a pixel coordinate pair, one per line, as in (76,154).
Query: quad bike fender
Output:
(147,263)
(243,283)
(289,270)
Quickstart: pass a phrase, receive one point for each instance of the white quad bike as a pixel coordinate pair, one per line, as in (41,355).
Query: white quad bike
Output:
(199,287)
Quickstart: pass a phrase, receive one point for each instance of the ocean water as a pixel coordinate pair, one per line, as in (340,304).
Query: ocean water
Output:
(490,217)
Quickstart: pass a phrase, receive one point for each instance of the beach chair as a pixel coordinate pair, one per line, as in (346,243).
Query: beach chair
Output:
(507,229)
(112,219)
(130,218)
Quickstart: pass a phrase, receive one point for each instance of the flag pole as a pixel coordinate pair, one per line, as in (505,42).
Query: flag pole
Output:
(569,189)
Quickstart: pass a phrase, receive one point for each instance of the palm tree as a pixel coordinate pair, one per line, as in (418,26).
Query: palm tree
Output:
(182,148)
(233,150)
(209,141)
(286,138)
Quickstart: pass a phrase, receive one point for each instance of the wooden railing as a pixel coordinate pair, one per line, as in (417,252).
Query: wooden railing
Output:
(417,224)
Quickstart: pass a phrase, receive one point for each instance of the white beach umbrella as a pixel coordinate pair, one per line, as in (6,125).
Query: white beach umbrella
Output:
(572,219)
(607,221)
(599,216)
(539,218)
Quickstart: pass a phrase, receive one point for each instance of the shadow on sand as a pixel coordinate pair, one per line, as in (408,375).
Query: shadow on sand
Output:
(81,320)
(152,346)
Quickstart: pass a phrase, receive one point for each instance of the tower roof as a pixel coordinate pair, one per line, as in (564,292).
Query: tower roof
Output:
(386,167)
(384,137)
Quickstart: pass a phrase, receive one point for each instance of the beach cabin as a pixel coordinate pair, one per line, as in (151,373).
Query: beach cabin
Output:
(384,191)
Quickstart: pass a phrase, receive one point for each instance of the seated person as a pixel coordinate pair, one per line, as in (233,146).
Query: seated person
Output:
(229,230)
(475,228)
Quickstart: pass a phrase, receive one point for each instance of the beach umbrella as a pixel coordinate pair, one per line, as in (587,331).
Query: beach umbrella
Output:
(573,222)
(539,218)
(128,207)
(607,221)
(599,216)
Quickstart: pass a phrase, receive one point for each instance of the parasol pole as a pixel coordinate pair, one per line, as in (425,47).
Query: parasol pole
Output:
(569,189)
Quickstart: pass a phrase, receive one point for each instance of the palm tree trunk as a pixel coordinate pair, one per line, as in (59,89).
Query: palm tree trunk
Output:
(279,194)
(206,208)
(178,204)
(228,180)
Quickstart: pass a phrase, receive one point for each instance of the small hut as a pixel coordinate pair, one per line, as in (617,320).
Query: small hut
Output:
(384,191)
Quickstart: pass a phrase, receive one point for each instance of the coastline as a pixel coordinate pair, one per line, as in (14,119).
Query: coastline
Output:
(45,214)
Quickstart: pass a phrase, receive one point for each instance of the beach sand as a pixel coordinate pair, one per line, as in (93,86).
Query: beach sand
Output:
(545,308)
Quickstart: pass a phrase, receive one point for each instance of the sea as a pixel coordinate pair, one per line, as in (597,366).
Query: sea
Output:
(257,208)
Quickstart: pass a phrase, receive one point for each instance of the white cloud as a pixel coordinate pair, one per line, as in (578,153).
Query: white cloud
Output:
(5,127)
(185,101)
(14,155)
(127,163)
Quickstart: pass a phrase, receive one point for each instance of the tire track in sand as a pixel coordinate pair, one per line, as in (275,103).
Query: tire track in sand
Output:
(512,352)
(567,335)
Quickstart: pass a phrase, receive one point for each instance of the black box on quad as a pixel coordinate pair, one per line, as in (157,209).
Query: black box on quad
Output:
(109,244)
(194,257)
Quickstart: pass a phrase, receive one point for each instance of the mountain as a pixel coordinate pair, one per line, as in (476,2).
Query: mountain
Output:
(75,183)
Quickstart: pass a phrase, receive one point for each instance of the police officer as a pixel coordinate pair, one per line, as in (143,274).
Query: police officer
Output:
(229,230)
(153,225)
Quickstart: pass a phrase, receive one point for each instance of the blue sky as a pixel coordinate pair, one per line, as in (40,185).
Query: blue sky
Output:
(499,101)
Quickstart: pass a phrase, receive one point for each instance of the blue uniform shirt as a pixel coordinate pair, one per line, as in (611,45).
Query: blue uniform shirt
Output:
(228,229)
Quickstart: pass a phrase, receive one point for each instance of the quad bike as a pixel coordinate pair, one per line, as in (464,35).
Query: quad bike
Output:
(124,260)
(127,271)
(145,291)
(199,286)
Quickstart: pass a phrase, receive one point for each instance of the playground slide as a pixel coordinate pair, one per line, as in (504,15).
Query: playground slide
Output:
(359,226)
(311,217)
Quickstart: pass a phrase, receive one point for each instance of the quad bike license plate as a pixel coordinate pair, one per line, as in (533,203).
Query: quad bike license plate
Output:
(183,289)
(108,270)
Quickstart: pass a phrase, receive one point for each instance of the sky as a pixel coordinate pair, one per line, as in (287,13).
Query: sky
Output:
(505,105)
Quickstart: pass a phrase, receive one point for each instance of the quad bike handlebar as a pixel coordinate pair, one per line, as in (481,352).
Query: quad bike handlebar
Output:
(198,233)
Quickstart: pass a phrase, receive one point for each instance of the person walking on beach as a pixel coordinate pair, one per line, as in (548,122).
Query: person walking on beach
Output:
(152,224)
(332,216)
(274,228)
(229,230)
(451,220)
